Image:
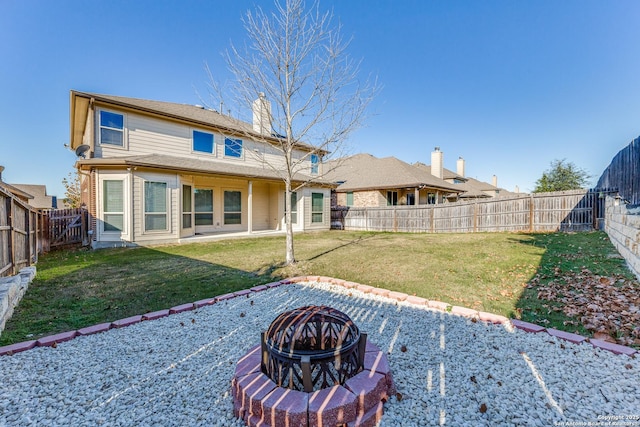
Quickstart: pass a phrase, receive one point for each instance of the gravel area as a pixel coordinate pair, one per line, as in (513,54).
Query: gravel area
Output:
(449,370)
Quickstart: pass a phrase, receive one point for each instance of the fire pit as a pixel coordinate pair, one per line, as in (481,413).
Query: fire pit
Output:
(311,348)
(313,367)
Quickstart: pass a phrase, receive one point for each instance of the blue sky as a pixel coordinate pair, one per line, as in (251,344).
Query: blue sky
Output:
(507,85)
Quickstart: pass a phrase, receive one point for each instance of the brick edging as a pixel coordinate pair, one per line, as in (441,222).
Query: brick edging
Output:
(53,340)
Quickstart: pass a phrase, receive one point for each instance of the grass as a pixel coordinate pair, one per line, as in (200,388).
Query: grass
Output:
(489,272)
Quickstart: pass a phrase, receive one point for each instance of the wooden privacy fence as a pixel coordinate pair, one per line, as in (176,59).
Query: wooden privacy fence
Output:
(63,227)
(18,234)
(624,174)
(576,210)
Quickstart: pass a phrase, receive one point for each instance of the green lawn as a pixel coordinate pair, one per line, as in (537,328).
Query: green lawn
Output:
(484,271)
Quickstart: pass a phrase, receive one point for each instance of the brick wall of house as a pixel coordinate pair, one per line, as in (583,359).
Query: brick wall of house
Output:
(361,199)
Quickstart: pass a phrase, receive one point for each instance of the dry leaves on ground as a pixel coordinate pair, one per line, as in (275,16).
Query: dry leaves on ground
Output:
(609,307)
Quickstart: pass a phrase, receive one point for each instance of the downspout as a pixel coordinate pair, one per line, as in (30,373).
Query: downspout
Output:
(130,232)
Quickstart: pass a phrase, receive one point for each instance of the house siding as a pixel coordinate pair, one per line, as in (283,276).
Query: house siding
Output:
(145,135)
(326,214)
(261,206)
(173,193)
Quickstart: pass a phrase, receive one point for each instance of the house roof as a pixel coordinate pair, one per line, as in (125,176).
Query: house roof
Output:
(21,194)
(446,173)
(195,114)
(40,199)
(366,172)
(160,161)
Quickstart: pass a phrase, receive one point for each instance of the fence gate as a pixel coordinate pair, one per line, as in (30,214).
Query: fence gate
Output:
(64,227)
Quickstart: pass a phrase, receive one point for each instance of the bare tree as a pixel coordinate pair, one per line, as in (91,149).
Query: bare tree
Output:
(295,65)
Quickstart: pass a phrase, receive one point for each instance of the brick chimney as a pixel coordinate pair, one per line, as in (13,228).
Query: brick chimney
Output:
(437,163)
(460,167)
(261,115)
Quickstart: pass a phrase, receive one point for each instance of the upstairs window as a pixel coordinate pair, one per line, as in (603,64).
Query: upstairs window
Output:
(111,128)
(233,148)
(314,164)
(202,142)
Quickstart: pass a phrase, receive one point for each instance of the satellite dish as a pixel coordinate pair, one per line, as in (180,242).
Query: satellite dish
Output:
(81,151)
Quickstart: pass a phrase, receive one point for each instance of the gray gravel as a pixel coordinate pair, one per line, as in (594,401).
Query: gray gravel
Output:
(176,371)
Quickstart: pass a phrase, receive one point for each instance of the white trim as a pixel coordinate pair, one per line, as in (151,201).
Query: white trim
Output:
(190,231)
(111,236)
(242,223)
(167,201)
(224,148)
(213,142)
(125,136)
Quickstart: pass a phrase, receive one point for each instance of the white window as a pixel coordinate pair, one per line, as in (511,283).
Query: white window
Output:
(111,128)
(232,147)
(204,206)
(155,206)
(314,164)
(350,198)
(203,142)
(392,198)
(186,206)
(294,207)
(113,205)
(232,207)
(317,207)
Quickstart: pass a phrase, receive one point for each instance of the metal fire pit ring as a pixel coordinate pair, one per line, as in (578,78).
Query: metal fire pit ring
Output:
(312,348)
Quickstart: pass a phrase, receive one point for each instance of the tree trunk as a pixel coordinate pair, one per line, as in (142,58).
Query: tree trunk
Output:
(290,257)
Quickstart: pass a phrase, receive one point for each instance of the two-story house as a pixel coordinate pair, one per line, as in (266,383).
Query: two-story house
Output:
(159,172)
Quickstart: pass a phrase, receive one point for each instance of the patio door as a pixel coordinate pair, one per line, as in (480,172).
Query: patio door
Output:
(186,225)
(203,206)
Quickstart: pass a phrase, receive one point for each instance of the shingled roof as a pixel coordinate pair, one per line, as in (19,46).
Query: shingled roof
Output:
(188,164)
(40,199)
(195,114)
(366,172)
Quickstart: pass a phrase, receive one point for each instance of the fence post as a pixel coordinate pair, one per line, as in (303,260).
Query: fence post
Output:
(433,218)
(12,250)
(475,217)
(531,214)
(395,221)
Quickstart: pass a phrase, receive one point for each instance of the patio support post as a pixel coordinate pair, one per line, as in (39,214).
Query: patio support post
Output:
(250,208)
(416,196)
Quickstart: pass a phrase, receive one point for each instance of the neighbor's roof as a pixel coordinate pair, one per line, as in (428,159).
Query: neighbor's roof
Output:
(80,101)
(21,194)
(40,199)
(366,172)
(187,164)
(446,173)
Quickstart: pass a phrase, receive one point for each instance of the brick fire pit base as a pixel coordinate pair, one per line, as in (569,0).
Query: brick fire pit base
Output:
(359,402)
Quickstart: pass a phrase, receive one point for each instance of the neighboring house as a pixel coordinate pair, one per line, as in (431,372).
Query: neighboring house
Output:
(156,172)
(471,187)
(40,199)
(18,193)
(367,181)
